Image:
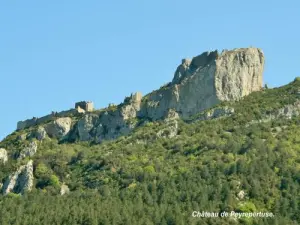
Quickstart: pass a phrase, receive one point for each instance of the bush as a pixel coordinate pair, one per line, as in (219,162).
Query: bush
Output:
(54,181)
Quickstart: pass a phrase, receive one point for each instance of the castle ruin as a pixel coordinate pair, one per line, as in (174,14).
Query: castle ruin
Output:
(80,107)
(136,97)
(84,106)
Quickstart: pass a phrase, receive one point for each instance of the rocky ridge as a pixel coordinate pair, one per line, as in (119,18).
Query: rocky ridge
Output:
(198,84)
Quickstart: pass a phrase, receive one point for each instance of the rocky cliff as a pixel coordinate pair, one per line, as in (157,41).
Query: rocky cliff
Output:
(20,181)
(206,80)
(198,84)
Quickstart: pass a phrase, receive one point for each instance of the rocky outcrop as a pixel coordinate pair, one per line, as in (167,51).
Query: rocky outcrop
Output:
(112,125)
(171,122)
(288,112)
(59,128)
(85,125)
(171,115)
(198,84)
(29,150)
(21,181)
(241,195)
(40,133)
(215,113)
(170,131)
(114,122)
(3,156)
(64,189)
(207,80)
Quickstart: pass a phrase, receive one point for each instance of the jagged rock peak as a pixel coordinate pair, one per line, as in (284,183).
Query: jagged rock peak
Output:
(187,67)
(207,80)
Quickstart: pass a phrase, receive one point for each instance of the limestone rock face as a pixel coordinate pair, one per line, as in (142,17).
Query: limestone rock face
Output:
(238,73)
(85,126)
(182,70)
(20,181)
(170,131)
(120,121)
(59,127)
(29,151)
(198,84)
(40,133)
(171,128)
(206,81)
(111,125)
(3,156)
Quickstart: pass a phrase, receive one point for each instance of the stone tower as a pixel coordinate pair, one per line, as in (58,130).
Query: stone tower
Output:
(84,106)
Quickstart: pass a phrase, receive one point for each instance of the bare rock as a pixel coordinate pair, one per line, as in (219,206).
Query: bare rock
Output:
(29,150)
(21,181)
(3,156)
(171,121)
(40,133)
(85,126)
(241,195)
(215,113)
(209,79)
(59,128)
(64,189)
(171,115)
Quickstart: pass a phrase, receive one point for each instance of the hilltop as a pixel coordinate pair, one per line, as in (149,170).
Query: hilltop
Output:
(198,84)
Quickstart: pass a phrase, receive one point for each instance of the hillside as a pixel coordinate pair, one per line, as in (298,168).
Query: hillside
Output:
(239,154)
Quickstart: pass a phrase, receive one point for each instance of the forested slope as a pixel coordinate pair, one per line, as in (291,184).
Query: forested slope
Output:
(246,162)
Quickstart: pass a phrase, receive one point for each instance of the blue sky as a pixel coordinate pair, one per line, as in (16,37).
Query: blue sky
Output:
(54,53)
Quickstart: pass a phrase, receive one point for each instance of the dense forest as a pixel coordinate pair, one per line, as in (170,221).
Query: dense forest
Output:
(245,163)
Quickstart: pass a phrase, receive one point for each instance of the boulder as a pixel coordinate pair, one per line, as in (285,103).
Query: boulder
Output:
(21,181)
(64,189)
(59,128)
(3,156)
(241,195)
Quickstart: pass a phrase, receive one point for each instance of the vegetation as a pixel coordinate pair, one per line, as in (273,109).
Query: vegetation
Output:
(142,179)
